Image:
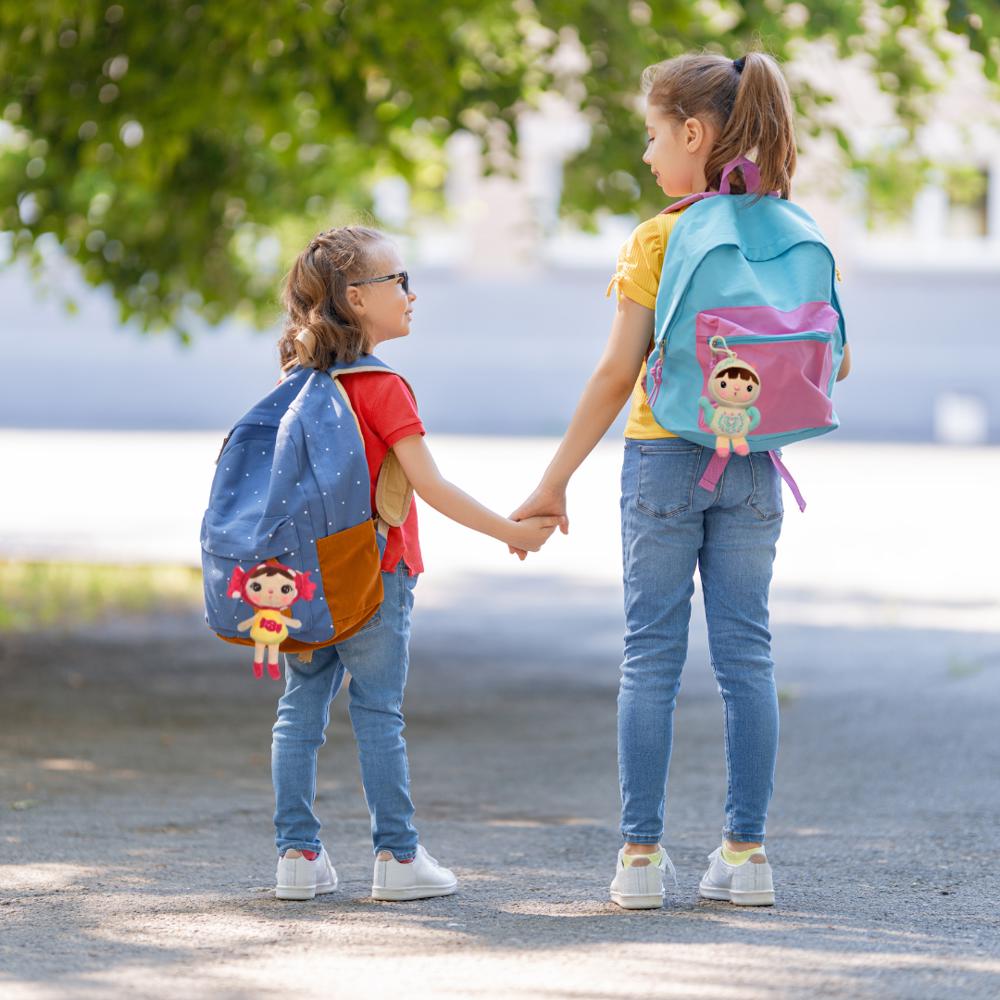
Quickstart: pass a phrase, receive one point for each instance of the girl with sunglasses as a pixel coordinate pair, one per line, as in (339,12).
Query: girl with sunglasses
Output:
(346,293)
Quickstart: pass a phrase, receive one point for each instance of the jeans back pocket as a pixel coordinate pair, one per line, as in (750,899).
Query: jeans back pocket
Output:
(765,497)
(667,478)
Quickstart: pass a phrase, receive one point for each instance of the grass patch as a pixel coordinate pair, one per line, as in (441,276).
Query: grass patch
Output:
(45,595)
(959,668)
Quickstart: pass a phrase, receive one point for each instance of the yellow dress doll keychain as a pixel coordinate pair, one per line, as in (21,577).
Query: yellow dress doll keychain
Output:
(269,587)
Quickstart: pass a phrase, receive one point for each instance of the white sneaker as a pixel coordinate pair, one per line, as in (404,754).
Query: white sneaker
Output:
(748,884)
(421,878)
(640,887)
(300,878)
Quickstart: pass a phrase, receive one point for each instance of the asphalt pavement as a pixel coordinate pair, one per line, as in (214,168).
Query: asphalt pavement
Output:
(136,852)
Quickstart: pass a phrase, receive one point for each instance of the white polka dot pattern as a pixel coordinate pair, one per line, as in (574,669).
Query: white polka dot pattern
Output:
(269,465)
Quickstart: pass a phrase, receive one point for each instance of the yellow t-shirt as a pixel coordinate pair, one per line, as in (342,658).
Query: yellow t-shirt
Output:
(637,277)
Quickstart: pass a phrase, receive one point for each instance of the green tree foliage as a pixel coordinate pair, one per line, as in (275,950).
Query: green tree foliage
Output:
(178,151)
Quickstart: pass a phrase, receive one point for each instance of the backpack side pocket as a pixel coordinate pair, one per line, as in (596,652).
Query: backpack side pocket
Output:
(350,567)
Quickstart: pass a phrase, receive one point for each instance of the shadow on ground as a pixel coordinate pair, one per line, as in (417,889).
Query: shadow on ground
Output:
(137,851)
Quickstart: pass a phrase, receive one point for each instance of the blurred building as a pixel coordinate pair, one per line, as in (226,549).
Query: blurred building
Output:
(511,314)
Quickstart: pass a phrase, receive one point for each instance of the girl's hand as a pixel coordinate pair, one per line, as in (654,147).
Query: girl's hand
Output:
(530,533)
(546,500)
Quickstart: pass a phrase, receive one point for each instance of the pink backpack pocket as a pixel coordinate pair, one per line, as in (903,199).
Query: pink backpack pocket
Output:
(791,351)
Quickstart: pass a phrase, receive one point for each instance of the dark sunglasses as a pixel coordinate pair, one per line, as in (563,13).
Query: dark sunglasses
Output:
(387,277)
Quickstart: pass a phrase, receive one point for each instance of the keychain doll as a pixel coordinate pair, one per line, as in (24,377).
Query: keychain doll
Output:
(734,386)
(269,588)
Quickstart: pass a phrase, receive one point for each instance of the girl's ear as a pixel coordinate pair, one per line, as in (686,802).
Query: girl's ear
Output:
(694,135)
(356,298)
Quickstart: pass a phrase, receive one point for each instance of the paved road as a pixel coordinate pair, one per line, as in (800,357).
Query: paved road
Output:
(136,839)
(135,846)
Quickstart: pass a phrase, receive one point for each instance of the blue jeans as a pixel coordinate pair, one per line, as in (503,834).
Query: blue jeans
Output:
(377,659)
(670,526)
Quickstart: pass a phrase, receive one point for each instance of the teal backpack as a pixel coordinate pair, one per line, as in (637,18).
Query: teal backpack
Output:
(749,334)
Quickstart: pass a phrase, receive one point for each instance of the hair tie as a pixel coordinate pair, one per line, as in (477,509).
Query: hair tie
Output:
(316,241)
(738,64)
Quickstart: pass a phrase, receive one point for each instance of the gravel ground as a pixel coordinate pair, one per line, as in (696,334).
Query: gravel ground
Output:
(137,854)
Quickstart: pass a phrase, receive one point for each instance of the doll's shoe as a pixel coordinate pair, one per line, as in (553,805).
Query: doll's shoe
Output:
(258,670)
(420,878)
(748,884)
(639,886)
(300,878)
(274,671)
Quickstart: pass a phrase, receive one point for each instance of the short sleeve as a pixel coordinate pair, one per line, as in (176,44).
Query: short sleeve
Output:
(640,261)
(389,408)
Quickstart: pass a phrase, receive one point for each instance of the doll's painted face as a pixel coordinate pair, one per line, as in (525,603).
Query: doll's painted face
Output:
(271,588)
(734,387)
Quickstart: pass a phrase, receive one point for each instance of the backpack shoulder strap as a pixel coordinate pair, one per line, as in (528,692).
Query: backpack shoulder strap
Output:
(751,180)
(393,491)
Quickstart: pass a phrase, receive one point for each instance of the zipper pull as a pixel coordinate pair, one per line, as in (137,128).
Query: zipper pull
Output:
(657,373)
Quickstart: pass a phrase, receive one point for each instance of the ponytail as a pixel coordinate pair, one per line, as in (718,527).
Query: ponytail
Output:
(762,122)
(748,103)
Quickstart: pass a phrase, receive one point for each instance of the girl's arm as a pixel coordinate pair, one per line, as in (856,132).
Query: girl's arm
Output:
(421,470)
(605,394)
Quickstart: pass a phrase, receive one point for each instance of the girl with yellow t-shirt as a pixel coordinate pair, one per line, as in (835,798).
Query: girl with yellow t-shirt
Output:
(703,112)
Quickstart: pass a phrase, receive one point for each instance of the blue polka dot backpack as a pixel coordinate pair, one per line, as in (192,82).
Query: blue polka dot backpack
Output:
(289,519)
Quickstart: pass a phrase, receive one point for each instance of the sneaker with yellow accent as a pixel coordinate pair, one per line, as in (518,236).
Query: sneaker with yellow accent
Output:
(749,883)
(638,881)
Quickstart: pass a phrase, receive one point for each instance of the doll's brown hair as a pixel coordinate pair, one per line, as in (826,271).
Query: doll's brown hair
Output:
(745,100)
(321,327)
(270,569)
(741,373)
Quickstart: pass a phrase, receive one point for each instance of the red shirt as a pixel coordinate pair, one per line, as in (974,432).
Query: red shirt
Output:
(387,413)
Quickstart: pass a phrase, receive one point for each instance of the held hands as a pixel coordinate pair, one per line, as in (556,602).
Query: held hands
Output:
(530,534)
(546,504)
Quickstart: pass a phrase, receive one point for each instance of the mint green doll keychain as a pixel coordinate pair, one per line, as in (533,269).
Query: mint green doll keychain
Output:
(734,386)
